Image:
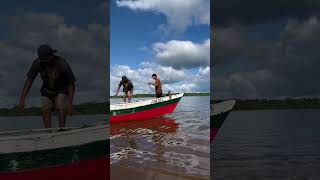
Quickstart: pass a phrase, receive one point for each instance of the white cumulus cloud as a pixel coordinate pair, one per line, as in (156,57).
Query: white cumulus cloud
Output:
(180,14)
(183,54)
(172,79)
(83,47)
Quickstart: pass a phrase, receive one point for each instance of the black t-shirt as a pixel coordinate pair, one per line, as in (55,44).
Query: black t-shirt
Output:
(56,76)
(127,85)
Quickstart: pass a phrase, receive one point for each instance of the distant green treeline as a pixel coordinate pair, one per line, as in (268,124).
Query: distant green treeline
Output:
(265,104)
(83,109)
(250,104)
(153,95)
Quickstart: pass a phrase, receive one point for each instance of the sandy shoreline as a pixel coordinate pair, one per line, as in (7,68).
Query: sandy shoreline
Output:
(118,172)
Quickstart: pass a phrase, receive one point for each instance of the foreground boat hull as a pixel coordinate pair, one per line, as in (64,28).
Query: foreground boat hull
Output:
(216,123)
(144,110)
(219,112)
(70,153)
(97,168)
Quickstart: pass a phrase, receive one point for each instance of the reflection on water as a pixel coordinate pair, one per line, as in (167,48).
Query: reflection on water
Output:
(158,125)
(269,144)
(133,136)
(174,145)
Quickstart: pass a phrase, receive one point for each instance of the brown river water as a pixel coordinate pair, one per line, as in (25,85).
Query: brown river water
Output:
(175,146)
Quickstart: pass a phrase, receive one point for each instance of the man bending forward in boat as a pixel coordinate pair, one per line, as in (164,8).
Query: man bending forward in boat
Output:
(127,89)
(58,85)
(157,85)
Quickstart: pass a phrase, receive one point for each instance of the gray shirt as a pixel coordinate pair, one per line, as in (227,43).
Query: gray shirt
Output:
(56,76)
(127,85)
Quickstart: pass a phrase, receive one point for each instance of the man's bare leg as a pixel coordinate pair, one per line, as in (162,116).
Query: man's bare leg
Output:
(61,105)
(46,117)
(129,96)
(62,118)
(46,111)
(124,96)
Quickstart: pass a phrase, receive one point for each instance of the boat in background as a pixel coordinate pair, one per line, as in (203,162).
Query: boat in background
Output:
(68,153)
(144,110)
(218,113)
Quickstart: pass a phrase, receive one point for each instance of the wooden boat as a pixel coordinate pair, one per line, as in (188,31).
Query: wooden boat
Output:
(143,110)
(218,113)
(69,153)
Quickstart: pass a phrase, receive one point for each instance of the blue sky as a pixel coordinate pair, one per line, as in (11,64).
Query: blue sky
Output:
(136,32)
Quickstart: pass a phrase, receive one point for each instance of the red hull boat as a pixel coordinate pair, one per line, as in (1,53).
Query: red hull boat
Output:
(218,114)
(143,110)
(51,154)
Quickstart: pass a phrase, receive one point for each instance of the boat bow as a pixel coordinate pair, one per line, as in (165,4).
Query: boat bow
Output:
(218,113)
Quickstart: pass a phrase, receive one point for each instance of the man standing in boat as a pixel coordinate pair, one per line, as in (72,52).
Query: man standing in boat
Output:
(58,87)
(127,89)
(157,85)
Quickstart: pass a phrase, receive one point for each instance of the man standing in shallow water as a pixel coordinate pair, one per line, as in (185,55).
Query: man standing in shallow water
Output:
(127,89)
(58,87)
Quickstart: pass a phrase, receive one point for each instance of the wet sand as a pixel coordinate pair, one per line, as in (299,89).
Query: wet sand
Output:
(119,172)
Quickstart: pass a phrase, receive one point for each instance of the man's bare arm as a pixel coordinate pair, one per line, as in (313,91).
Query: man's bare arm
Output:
(25,91)
(71,89)
(153,84)
(117,92)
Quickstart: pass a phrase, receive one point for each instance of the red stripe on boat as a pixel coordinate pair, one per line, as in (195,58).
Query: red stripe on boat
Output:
(144,115)
(213,133)
(98,169)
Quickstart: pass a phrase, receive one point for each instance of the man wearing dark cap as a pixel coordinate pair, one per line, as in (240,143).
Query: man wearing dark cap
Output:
(127,89)
(58,85)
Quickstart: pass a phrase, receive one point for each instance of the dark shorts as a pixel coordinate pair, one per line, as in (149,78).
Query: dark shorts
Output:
(159,95)
(125,93)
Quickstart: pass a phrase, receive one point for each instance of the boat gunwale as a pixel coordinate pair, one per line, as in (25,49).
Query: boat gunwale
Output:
(222,107)
(122,106)
(65,131)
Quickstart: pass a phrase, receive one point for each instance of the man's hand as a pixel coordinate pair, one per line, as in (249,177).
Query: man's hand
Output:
(24,93)
(69,109)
